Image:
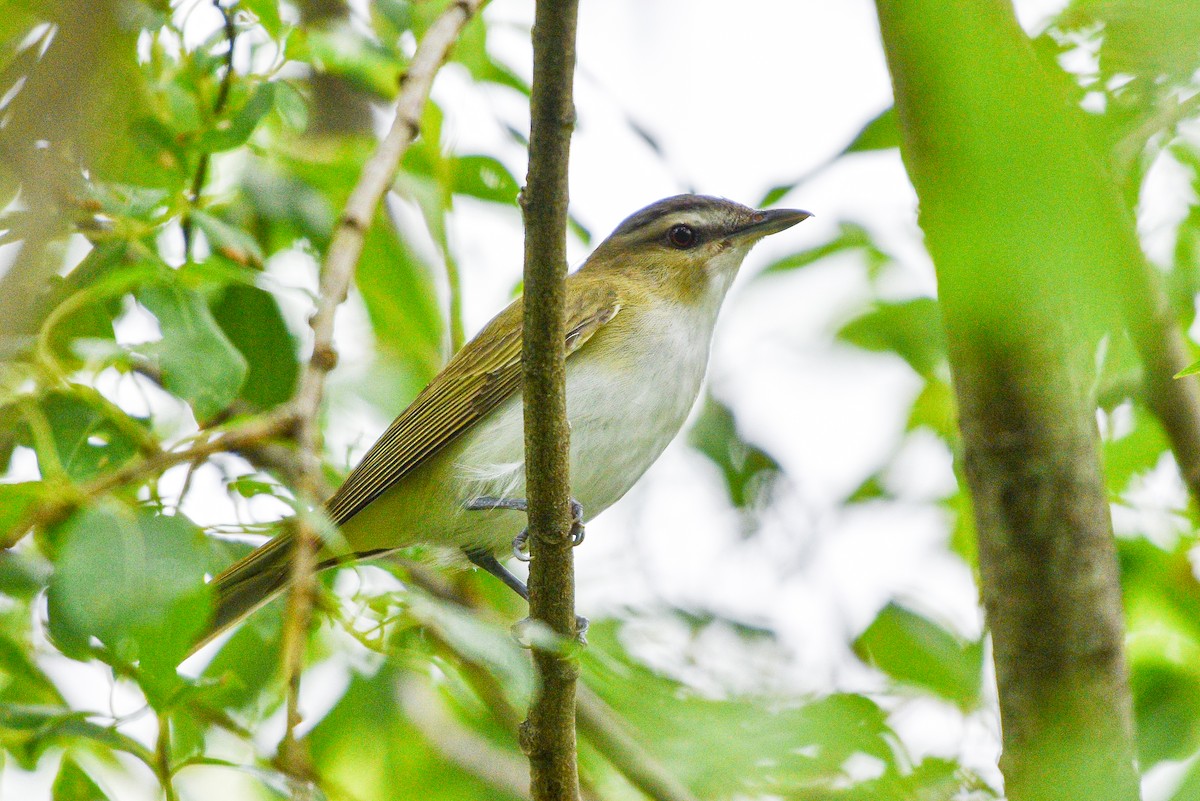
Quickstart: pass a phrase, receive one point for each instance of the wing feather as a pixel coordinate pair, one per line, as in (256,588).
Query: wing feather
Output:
(481,376)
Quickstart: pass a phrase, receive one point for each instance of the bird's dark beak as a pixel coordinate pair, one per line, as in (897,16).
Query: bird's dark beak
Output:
(772,221)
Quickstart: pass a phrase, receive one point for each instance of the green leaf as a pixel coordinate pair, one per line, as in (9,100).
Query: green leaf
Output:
(849,237)
(1162,599)
(935,409)
(25,682)
(912,329)
(267,14)
(401,301)
(776,193)
(742,746)
(342,50)
(231,242)
(914,650)
(23,574)
(748,470)
(880,133)
(287,206)
(41,727)
(72,784)
(133,580)
(198,362)
(871,489)
(396,14)
(291,105)
(234,129)
(248,662)
(397,753)
(15,500)
(1149,39)
(1191,369)
(1166,703)
(251,319)
(471,51)
(1136,452)
(84,440)
(92,320)
(1188,788)
(485,178)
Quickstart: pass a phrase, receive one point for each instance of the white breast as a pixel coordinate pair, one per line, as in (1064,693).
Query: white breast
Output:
(621,420)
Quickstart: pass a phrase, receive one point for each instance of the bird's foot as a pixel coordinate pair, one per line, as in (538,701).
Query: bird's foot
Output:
(520,542)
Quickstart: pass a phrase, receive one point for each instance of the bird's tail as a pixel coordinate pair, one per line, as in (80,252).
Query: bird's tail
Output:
(248,584)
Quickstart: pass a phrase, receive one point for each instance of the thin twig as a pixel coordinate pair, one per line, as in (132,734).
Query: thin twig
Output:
(548,735)
(336,274)
(458,333)
(61,503)
(162,758)
(201,176)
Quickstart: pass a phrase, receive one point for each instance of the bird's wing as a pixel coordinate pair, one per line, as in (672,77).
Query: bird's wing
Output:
(477,379)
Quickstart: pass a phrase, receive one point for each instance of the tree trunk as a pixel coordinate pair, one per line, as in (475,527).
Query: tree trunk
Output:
(1033,246)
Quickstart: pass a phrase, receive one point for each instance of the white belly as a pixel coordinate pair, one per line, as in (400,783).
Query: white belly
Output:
(620,424)
(621,421)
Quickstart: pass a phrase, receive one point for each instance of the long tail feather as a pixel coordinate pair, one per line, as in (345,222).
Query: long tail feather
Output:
(248,584)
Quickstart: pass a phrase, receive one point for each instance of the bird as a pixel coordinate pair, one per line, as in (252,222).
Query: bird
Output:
(640,316)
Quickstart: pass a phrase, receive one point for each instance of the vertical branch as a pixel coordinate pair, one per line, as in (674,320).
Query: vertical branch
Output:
(336,274)
(548,736)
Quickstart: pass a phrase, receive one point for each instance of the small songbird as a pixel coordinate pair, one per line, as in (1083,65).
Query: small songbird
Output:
(450,469)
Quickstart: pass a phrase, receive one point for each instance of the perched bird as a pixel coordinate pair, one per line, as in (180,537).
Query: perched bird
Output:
(450,469)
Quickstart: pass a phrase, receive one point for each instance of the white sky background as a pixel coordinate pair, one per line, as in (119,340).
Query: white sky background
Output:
(741,96)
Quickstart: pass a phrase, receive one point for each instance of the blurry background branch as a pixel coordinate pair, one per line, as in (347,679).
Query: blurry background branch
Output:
(1028,273)
(1163,351)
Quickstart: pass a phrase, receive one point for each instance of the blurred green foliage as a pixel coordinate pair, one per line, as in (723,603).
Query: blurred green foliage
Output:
(154,337)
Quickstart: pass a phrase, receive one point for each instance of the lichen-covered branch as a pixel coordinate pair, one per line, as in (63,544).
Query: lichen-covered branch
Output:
(336,274)
(548,735)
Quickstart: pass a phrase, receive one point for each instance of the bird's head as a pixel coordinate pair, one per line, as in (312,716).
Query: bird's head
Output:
(689,246)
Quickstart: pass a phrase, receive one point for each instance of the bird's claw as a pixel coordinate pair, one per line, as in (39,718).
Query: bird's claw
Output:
(520,551)
(577,532)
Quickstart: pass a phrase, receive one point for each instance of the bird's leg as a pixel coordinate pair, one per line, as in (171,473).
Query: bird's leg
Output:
(488,561)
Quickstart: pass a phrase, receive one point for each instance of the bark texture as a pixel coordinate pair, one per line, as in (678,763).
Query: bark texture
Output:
(548,735)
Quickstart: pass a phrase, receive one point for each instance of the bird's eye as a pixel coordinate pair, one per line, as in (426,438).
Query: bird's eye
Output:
(681,236)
